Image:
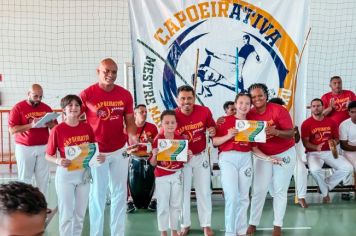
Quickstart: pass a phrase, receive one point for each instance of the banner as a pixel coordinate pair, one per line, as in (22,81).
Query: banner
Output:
(239,42)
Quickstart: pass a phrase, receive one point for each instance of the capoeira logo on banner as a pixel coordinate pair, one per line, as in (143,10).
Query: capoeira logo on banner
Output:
(240,43)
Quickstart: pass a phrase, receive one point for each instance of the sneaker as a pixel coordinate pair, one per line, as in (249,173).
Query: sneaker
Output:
(153,205)
(130,207)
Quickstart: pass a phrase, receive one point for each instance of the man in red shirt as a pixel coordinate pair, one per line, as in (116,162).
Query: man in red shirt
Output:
(317,131)
(336,101)
(193,123)
(107,107)
(146,133)
(30,149)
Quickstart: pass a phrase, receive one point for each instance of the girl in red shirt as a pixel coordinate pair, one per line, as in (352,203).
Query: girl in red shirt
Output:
(71,187)
(236,167)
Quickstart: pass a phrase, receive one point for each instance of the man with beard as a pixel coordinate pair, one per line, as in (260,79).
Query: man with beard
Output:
(30,148)
(194,121)
(317,132)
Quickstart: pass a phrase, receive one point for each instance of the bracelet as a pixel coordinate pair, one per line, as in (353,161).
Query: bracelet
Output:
(58,161)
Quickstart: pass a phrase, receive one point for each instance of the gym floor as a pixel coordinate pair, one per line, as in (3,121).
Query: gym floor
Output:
(337,218)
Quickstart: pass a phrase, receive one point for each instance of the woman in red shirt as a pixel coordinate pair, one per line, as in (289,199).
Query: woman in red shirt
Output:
(280,143)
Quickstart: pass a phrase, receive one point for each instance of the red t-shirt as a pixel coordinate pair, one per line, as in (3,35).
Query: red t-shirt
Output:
(105,113)
(275,115)
(22,114)
(319,132)
(340,113)
(149,133)
(172,165)
(64,135)
(222,129)
(192,127)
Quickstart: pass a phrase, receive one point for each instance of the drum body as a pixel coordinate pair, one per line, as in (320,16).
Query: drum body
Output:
(141,181)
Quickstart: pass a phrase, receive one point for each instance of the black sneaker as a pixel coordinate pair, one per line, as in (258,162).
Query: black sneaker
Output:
(153,205)
(130,207)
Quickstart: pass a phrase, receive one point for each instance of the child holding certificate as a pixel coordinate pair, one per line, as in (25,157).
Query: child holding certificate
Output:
(72,189)
(236,167)
(168,179)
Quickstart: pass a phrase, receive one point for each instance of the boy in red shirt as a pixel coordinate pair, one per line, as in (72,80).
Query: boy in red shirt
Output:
(169,186)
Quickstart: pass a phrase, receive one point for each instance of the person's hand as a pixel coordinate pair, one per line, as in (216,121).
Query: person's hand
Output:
(211,131)
(276,161)
(332,103)
(154,153)
(101,158)
(319,147)
(232,132)
(271,130)
(50,124)
(220,120)
(132,148)
(63,162)
(190,154)
(34,121)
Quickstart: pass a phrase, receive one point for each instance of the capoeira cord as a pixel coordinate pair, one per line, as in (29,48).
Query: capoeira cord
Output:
(273,159)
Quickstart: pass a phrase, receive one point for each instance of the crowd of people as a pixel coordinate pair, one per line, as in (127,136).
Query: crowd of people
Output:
(248,170)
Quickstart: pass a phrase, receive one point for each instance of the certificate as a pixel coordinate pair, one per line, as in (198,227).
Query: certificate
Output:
(47,118)
(172,150)
(82,156)
(251,131)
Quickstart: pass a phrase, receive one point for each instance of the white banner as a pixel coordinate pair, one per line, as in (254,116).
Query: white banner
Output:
(239,42)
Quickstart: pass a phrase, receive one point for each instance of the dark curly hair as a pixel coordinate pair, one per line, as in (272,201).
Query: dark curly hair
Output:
(21,197)
(260,86)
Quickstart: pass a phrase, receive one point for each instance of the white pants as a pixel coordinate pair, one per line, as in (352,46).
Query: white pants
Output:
(279,176)
(351,157)
(236,178)
(31,161)
(73,197)
(301,178)
(169,193)
(112,172)
(199,167)
(341,166)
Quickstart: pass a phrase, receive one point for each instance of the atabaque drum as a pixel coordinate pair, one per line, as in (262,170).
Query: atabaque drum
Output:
(141,181)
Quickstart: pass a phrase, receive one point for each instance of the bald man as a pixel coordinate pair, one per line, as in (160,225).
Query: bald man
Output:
(30,143)
(109,109)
